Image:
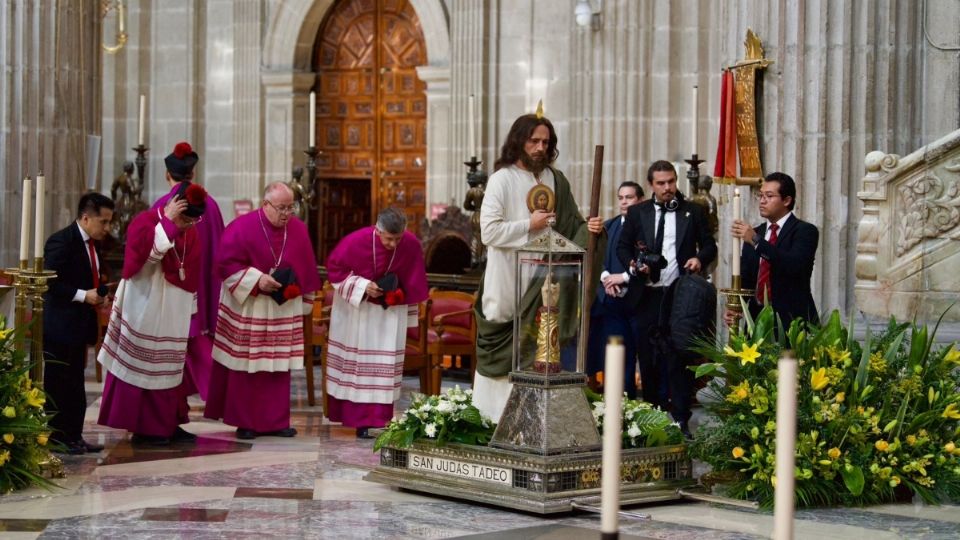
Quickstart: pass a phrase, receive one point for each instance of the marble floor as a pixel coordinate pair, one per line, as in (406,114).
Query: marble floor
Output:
(312,486)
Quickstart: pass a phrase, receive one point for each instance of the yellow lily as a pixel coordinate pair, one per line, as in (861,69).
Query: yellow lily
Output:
(4,457)
(881,445)
(9,412)
(6,332)
(748,354)
(818,378)
(951,412)
(834,453)
(42,439)
(953,356)
(8,438)
(737,452)
(35,398)
(840,397)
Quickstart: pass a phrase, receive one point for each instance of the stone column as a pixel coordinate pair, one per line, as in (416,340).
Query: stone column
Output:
(286,121)
(51,102)
(233,126)
(469,21)
(440,185)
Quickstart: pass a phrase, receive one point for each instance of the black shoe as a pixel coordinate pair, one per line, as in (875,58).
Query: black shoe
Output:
(246,434)
(285,432)
(71,448)
(90,448)
(685,429)
(364,433)
(149,440)
(182,435)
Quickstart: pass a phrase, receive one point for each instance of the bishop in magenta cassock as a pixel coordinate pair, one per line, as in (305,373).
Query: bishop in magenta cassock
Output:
(180,168)
(259,336)
(143,351)
(368,324)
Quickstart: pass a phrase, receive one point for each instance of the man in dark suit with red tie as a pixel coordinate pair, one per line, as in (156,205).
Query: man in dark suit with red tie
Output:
(777,256)
(70,317)
(675,237)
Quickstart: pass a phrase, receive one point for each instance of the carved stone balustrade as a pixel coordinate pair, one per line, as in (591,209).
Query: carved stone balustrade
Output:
(908,250)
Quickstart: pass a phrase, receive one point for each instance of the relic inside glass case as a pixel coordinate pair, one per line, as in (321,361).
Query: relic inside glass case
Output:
(549,299)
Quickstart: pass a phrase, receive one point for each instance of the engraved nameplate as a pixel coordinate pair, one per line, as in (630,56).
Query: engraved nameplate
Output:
(461,469)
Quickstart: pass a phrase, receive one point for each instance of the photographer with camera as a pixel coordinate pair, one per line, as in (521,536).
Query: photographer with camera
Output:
(662,237)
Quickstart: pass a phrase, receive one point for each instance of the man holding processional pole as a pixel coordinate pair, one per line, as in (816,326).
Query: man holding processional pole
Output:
(509,218)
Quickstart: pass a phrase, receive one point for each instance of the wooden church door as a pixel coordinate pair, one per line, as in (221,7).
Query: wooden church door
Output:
(371,117)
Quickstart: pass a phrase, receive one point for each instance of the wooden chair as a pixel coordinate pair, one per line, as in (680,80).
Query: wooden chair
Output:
(417,355)
(452,331)
(319,328)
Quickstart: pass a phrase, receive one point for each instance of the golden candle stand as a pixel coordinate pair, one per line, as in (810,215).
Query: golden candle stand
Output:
(32,283)
(735,297)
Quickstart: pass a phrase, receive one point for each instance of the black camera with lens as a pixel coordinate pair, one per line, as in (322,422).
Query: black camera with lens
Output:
(643,256)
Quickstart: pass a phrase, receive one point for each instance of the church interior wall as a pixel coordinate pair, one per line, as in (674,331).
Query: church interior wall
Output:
(233,77)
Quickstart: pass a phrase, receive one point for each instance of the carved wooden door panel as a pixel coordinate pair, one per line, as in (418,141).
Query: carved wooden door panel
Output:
(371,116)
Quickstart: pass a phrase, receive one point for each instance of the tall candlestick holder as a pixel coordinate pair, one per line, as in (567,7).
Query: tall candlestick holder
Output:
(141,162)
(39,277)
(477,180)
(30,284)
(700,193)
(693,173)
(736,296)
(309,193)
(21,294)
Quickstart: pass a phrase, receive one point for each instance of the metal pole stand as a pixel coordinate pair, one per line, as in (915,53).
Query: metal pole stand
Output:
(735,296)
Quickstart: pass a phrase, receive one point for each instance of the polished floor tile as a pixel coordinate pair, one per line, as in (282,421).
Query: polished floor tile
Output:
(312,486)
(273,493)
(23,525)
(205,515)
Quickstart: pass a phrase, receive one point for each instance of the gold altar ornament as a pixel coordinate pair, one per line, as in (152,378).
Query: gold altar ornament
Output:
(539,112)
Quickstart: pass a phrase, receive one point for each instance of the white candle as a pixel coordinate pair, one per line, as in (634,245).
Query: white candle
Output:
(313,119)
(41,202)
(25,218)
(696,115)
(612,436)
(472,136)
(786,442)
(737,243)
(143,118)
(120,17)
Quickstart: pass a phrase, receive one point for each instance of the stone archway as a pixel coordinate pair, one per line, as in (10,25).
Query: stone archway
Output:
(287,79)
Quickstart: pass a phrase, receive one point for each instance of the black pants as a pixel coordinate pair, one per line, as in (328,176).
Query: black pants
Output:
(66,395)
(653,363)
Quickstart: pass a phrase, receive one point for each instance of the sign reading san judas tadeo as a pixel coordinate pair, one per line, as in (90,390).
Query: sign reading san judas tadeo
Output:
(463,469)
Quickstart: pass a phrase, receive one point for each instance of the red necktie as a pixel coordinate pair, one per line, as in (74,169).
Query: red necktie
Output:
(764,292)
(93,264)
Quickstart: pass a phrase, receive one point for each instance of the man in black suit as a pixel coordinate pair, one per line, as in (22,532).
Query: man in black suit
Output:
(70,320)
(613,312)
(675,237)
(777,256)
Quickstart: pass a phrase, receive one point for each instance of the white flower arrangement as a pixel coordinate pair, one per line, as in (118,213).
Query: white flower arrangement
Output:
(643,424)
(450,416)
